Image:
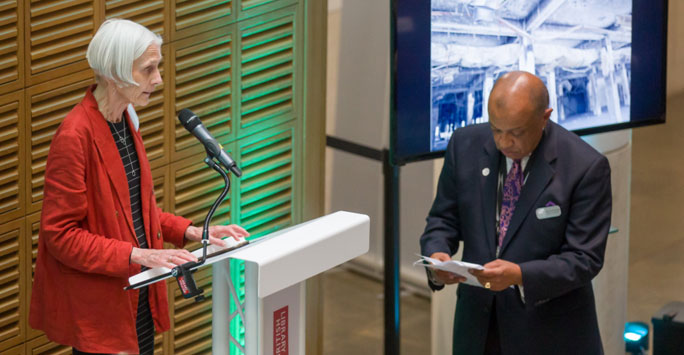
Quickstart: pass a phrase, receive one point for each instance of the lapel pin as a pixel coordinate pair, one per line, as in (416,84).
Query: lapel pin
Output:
(485,172)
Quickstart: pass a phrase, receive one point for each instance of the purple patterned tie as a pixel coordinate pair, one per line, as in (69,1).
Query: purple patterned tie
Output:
(511,193)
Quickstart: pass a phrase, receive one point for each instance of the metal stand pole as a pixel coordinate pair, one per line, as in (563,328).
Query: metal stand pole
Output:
(391,251)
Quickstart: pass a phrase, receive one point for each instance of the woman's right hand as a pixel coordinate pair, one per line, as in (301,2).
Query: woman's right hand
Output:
(168,258)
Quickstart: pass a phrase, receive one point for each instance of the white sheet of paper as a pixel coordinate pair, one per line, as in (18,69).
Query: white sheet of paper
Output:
(454,266)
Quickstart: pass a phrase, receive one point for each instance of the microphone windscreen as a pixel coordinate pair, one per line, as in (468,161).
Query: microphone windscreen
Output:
(188,119)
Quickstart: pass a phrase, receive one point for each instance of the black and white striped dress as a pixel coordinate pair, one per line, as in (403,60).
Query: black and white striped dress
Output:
(144,324)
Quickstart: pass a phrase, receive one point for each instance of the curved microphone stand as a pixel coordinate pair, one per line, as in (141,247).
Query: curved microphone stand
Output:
(183,272)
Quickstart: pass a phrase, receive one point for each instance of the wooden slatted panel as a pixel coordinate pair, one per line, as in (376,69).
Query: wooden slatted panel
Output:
(266,186)
(12,324)
(43,346)
(192,320)
(196,16)
(11,45)
(58,37)
(48,104)
(159,179)
(12,159)
(202,84)
(149,13)
(267,55)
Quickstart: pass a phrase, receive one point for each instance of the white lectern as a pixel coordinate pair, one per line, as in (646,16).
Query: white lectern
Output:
(276,267)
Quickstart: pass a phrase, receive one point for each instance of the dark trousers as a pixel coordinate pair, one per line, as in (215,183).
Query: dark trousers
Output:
(493,343)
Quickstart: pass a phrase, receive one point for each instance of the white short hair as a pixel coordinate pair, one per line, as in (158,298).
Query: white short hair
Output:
(115,46)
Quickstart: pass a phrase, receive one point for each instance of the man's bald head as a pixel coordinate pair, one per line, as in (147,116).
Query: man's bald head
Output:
(518,112)
(520,87)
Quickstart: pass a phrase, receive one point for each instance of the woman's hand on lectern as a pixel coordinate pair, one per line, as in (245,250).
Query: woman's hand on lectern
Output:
(168,258)
(217,233)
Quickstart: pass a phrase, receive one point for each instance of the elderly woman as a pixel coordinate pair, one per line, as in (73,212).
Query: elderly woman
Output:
(100,223)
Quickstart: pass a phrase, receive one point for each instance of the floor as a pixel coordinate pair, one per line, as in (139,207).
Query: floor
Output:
(353,316)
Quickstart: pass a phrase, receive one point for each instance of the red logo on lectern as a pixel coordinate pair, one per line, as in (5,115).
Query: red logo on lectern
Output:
(280,341)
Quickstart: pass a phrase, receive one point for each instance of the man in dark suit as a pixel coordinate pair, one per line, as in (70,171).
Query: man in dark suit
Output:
(532,203)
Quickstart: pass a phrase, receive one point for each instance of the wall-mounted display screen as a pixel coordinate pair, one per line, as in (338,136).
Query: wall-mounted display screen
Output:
(603,62)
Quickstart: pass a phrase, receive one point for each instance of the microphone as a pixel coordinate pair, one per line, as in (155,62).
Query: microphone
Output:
(214,149)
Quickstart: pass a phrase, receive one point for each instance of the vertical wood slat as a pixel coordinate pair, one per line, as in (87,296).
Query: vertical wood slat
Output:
(310,154)
(202,83)
(11,45)
(168,336)
(30,255)
(12,284)
(268,93)
(57,33)
(46,106)
(12,156)
(160,180)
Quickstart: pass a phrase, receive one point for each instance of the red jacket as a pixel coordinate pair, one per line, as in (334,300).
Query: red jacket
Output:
(86,237)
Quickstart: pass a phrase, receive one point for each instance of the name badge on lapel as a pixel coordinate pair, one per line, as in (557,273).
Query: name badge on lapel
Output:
(548,212)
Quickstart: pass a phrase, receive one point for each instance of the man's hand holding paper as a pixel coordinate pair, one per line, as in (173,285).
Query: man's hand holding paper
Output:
(499,274)
(450,271)
(442,276)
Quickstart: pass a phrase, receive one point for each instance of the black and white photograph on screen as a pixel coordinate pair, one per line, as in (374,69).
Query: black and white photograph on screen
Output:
(580,48)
